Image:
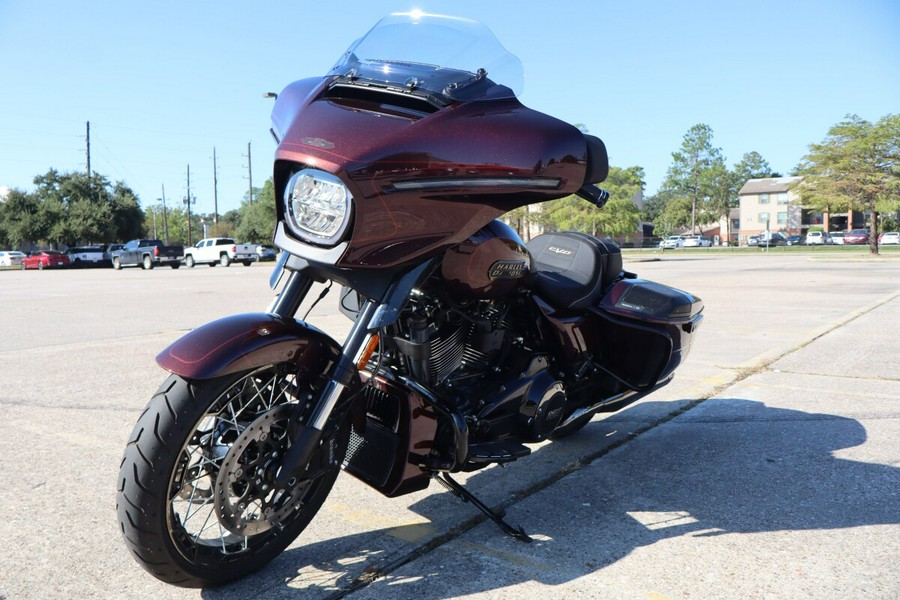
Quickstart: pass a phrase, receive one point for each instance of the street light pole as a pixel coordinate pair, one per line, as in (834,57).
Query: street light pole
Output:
(187,200)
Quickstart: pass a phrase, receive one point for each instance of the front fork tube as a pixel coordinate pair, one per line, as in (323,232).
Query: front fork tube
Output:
(343,373)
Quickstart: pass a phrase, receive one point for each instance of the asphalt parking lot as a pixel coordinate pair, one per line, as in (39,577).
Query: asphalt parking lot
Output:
(770,468)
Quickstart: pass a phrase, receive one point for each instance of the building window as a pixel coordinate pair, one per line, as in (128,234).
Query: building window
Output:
(782,198)
(763,198)
(764,219)
(782,218)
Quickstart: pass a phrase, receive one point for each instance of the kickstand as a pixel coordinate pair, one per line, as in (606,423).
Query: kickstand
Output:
(466,496)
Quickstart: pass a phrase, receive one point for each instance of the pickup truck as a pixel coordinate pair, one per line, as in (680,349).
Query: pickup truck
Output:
(86,256)
(148,254)
(220,251)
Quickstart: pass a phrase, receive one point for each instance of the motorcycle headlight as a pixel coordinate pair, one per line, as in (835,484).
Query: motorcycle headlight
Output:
(317,206)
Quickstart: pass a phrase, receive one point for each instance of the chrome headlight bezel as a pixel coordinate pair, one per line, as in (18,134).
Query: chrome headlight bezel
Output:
(318,207)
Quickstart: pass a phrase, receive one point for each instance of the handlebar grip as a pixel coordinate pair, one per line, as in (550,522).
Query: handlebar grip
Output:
(593,194)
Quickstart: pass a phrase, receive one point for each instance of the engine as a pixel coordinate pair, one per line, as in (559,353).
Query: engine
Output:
(473,355)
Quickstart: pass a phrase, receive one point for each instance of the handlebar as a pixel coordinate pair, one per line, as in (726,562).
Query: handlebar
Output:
(593,194)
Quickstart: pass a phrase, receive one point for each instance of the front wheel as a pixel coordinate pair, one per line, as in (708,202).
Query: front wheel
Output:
(116,263)
(189,261)
(196,497)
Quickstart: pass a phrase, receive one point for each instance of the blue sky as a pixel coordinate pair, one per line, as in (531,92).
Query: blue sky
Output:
(164,82)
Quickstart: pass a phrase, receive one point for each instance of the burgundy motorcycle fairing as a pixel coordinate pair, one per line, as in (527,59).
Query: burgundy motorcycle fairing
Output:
(247,341)
(423,182)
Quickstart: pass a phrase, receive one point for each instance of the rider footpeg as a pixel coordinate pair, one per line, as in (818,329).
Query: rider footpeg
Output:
(496,452)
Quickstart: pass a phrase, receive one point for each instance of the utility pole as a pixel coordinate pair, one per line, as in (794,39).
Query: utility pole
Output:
(187,200)
(250,172)
(88,149)
(165,218)
(215,195)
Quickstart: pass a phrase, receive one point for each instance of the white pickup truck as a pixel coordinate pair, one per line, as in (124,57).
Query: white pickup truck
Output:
(220,251)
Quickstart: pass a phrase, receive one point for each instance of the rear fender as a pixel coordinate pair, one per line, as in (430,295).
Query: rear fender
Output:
(248,341)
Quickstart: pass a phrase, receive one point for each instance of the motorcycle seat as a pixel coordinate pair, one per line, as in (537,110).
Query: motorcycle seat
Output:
(572,270)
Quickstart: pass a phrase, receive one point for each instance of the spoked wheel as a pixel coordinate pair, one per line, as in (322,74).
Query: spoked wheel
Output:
(196,501)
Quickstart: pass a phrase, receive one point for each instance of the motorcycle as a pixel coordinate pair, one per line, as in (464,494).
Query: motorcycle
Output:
(467,344)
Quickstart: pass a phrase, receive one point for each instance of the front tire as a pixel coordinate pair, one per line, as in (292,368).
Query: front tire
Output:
(116,263)
(189,261)
(195,501)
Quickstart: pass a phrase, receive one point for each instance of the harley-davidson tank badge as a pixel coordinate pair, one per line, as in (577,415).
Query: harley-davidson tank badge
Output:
(508,269)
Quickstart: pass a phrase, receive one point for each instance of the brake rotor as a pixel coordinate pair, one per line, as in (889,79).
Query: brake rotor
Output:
(246,500)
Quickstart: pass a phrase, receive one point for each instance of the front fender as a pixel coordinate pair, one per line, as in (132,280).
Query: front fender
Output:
(247,341)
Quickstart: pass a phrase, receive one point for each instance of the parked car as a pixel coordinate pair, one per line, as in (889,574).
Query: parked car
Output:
(45,259)
(673,241)
(697,241)
(837,238)
(220,251)
(889,238)
(266,252)
(817,238)
(148,254)
(753,240)
(86,256)
(857,236)
(773,239)
(11,258)
(794,240)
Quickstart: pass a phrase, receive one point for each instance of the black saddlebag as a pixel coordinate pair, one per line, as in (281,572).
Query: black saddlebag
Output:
(644,331)
(632,338)
(571,270)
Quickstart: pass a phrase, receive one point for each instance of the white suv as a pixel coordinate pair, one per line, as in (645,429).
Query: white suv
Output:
(817,238)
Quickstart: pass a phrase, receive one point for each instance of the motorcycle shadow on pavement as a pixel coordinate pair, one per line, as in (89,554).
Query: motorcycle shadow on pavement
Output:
(729,466)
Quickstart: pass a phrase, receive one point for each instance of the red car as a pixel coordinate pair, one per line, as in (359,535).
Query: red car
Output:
(857,236)
(45,259)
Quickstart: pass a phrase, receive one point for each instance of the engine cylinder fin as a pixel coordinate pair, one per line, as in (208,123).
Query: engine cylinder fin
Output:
(447,352)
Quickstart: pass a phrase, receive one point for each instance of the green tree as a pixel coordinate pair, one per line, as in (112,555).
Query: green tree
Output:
(857,166)
(618,218)
(127,216)
(752,166)
(676,215)
(521,219)
(19,218)
(698,173)
(256,222)
(655,205)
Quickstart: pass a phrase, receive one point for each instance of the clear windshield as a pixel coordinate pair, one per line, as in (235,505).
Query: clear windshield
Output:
(456,58)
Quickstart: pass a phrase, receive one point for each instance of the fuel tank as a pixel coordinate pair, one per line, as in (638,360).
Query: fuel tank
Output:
(492,263)
(423,177)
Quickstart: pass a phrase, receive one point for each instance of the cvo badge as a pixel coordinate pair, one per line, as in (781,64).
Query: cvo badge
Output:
(507,269)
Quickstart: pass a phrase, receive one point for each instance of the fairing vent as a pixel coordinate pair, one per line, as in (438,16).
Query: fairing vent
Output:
(381,101)
(370,456)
